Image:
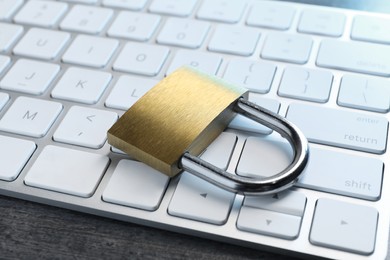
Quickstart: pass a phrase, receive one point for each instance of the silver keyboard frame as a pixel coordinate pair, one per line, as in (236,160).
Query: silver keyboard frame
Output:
(227,232)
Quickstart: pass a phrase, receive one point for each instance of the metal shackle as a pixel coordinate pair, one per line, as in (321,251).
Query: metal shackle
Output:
(176,120)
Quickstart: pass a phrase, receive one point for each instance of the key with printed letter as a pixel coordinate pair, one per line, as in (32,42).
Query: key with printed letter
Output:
(29,76)
(90,51)
(141,59)
(81,85)
(127,90)
(353,130)
(42,43)
(31,117)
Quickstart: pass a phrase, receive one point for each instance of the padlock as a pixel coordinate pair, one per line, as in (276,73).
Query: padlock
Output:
(177,119)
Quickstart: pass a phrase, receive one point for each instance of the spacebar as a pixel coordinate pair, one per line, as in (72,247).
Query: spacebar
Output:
(355,56)
(340,128)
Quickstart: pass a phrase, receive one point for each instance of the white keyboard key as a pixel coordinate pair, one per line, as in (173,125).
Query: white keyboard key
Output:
(86,19)
(9,34)
(287,47)
(340,128)
(8,8)
(29,76)
(219,151)
(82,85)
(355,56)
(206,62)
(263,157)
(41,13)
(137,185)
(183,32)
(208,203)
(127,90)
(90,51)
(4,97)
(245,124)
(173,7)
(340,173)
(255,76)
(141,59)
(68,171)
(306,84)
(42,43)
(30,117)
(271,15)
(135,5)
(134,26)
(222,10)
(14,154)
(268,223)
(4,62)
(352,229)
(371,29)
(371,94)
(234,40)
(322,23)
(287,202)
(85,127)
(328,171)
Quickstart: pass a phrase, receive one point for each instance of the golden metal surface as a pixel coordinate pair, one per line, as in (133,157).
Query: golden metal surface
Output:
(184,112)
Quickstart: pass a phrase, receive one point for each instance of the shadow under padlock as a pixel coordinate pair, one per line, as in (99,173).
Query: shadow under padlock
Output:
(178,118)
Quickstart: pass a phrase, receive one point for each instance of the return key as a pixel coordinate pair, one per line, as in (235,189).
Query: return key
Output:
(344,129)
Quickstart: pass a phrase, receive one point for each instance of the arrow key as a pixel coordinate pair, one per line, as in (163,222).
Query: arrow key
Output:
(200,200)
(287,202)
(352,229)
(268,223)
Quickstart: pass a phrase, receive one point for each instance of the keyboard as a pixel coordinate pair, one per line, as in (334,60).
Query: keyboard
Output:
(70,69)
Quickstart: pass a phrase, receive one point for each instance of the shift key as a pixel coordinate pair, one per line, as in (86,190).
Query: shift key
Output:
(340,128)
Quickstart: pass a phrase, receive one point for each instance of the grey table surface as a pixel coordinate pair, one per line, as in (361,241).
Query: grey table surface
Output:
(30,230)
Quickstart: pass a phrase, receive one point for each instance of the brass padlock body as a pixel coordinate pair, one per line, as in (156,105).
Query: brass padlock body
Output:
(184,112)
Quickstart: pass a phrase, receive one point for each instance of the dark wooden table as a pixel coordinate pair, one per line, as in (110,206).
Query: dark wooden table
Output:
(30,230)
